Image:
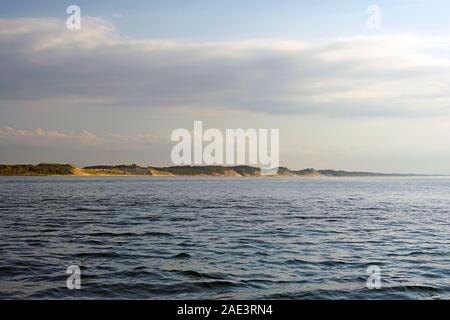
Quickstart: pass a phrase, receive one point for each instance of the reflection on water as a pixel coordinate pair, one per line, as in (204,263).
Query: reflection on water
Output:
(238,238)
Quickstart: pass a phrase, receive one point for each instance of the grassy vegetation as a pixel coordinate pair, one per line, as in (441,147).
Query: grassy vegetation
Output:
(99,172)
(210,170)
(50,169)
(123,169)
(340,173)
(194,171)
(247,170)
(42,169)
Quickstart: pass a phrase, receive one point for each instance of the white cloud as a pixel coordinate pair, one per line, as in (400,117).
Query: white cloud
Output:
(40,60)
(45,136)
(84,137)
(80,147)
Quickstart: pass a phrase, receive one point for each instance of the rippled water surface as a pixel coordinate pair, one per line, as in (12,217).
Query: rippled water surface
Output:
(224,238)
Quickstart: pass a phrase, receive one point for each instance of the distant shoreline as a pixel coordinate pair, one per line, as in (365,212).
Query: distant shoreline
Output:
(54,169)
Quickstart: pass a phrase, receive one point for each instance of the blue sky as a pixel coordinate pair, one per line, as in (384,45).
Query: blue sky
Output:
(343,96)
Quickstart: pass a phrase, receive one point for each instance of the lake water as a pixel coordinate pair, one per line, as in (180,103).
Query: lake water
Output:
(224,238)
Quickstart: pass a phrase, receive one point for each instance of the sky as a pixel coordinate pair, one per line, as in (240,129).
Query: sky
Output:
(343,95)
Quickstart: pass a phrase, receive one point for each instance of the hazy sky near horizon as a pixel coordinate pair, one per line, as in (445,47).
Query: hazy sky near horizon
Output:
(342,95)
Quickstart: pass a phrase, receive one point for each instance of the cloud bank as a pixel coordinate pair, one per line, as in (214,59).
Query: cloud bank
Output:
(79,147)
(43,63)
(42,136)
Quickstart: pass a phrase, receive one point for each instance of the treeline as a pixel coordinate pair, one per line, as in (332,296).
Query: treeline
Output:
(340,173)
(48,169)
(193,171)
(210,170)
(122,169)
(42,169)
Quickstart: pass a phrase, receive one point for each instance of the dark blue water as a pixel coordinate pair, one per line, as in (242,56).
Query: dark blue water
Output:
(227,238)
